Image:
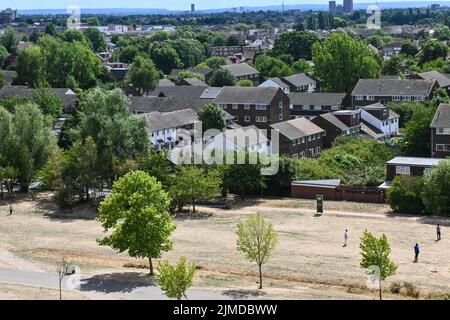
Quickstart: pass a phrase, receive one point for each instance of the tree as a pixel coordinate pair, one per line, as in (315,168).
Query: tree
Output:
(272,67)
(297,43)
(341,61)
(391,67)
(302,66)
(206,186)
(30,67)
(127,54)
(96,39)
(215,62)
(436,193)
(409,49)
(2,82)
(222,78)
(50,29)
(244,83)
(158,165)
(433,50)
(441,32)
(375,253)
(3,55)
(257,239)
(9,40)
(175,280)
(61,269)
(311,23)
(280,183)
(417,139)
(48,103)
(143,75)
(8,177)
(136,213)
(212,117)
(405,195)
(165,57)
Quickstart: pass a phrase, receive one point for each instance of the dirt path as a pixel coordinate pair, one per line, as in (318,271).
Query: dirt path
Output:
(7,259)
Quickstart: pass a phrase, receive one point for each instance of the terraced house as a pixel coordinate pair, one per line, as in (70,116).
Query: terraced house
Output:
(371,91)
(440,132)
(261,107)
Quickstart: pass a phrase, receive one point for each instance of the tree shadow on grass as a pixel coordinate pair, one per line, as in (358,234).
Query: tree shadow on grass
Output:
(187,215)
(243,293)
(124,282)
(424,219)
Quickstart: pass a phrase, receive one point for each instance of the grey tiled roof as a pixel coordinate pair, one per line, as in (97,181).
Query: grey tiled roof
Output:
(185,92)
(211,93)
(442,117)
(387,87)
(331,118)
(297,128)
(240,69)
(159,121)
(298,80)
(442,79)
(249,95)
(195,82)
(157,104)
(65,94)
(166,83)
(319,99)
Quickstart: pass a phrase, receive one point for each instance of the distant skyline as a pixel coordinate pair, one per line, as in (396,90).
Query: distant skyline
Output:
(168,4)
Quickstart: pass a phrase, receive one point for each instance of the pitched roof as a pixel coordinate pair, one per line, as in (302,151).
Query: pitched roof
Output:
(166,83)
(249,95)
(442,117)
(236,133)
(240,69)
(65,94)
(159,121)
(331,118)
(298,80)
(185,92)
(195,82)
(319,99)
(279,82)
(166,104)
(211,93)
(297,128)
(388,87)
(442,79)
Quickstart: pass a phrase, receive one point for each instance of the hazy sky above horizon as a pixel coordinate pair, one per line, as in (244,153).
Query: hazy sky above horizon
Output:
(161,4)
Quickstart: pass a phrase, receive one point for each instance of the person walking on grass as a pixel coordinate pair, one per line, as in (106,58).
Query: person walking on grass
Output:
(345,238)
(438,232)
(416,252)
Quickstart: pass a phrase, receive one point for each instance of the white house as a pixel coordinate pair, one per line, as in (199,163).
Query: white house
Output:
(381,118)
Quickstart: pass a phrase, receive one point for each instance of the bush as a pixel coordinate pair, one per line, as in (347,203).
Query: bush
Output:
(405,195)
(436,192)
(175,280)
(65,197)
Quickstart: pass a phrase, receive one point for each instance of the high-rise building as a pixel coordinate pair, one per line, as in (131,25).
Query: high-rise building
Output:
(332,6)
(8,16)
(193,7)
(348,5)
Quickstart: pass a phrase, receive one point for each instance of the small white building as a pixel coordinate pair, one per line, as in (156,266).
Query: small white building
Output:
(382,119)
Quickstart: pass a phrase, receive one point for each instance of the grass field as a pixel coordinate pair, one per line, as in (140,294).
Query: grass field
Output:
(309,262)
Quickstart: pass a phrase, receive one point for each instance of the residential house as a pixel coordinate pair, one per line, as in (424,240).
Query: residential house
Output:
(410,166)
(295,83)
(370,91)
(310,105)
(207,73)
(185,92)
(118,70)
(440,132)
(243,71)
(227,51)
(392,49)
(194,82)
(299,138)
(442,79)
(381,119)
(141,105)
(339,123)
(255,106)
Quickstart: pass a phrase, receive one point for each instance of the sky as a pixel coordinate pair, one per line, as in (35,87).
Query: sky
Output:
(160,4)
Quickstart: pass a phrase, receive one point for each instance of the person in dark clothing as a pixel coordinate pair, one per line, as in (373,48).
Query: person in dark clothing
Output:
(10,210)
(416,252)
(438,232)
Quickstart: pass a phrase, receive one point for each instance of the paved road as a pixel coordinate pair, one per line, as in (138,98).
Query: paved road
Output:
(100,286)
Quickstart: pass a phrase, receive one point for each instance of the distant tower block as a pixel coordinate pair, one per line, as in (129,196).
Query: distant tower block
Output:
(192,7)
(348,5)
(332,6)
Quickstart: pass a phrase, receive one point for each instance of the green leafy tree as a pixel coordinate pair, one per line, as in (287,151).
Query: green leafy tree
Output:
(272,67)
(9,40)
(302,66)
(158,165)
(215,62)
(391,67)
(341,61)
(280,183)
(212,117)
(405,195)
(96,39)
(30,67)
(257,239)
(375,252)
(244,83)
(143,75)
(165,57)
(297,43)
(222,78)
(50,29)
(441,32)
(175,280)
(436,193)
(2,82)
(433,50)
(48,103)
(409,49)
(136,214)
(127,54)
(3,55)
(206,186)
(417,138)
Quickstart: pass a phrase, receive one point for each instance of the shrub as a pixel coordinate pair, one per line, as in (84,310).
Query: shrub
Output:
(405,195)
(175,280)
(436,193)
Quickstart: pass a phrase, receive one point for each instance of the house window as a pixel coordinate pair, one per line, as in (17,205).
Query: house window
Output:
(302,154)
(443,131)
(439,147)
(261,119)
(281,117)
(280,104)
(261,107)
(235,106)
(236,118)
(407,98)
(317,108)
(396,98)
(371,98)
(447,147)
(246,106)
(305,108)
(403,170)
(309,139)
(334,108)
(247,119)
(359,98)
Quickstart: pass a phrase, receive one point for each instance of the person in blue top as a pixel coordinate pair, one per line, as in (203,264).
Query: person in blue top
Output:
(416,252)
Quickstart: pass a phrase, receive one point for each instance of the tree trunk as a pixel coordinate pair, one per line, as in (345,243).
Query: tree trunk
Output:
(60,290)
(260,276)
(150,263)
(193,205)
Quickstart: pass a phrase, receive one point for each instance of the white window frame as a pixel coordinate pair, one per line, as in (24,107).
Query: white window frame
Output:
(247,119)
(403,170)
(261,107)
